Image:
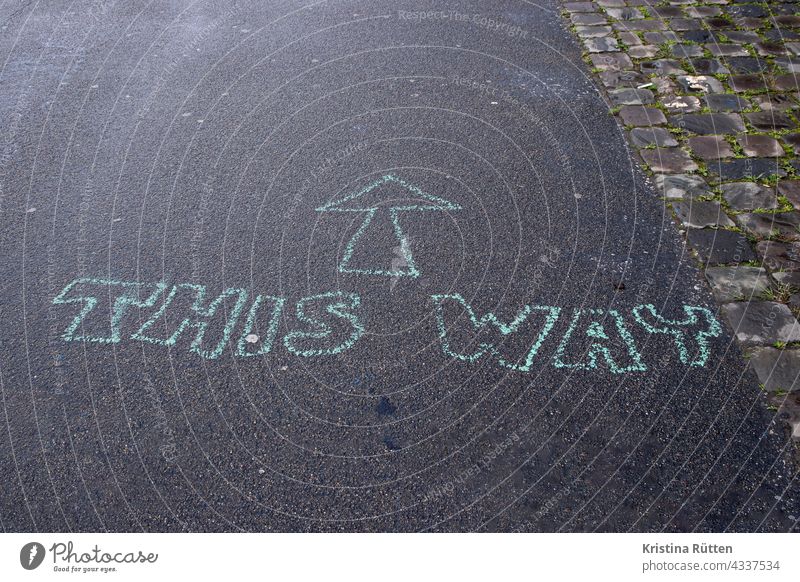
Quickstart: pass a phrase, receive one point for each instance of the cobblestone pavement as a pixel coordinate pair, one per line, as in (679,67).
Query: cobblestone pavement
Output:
(708,95)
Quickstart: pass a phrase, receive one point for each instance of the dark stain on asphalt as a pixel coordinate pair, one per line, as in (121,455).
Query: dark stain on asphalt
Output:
(385,407)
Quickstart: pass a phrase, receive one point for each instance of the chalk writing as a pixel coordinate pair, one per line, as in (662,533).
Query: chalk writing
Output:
(551,314)
(320,340)
(128,298)
(599,337)
(199,320)
(406,268)
(329,324)
(341,305)
(680,335)
(593,329)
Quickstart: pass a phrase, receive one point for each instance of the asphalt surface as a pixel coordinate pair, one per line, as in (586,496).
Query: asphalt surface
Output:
(210,143)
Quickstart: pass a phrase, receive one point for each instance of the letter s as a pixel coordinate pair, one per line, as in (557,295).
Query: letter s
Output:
(339,304)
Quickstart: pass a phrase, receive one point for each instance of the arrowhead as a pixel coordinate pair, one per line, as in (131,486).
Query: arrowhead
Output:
(422,200)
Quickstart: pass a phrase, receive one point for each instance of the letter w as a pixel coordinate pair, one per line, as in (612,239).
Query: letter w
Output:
(489,322)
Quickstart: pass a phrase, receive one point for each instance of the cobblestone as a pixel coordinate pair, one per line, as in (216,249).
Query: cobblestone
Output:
(678,186)
(725,102)
(710,147)
(748,196)
(601,44)
(718,246)
(710,93)
(707,66)
(779,256)
(775,101)
(783,225)
(701,83)
(631,96)
(612,61)
(641,116)
(742,83)
(669,160)
(790,189)
(742,169)
(762,322)
(769,120)
(682,104)
(778,370)
(709,123)
(760,146)
(737,283)
(699,214)
(658,136)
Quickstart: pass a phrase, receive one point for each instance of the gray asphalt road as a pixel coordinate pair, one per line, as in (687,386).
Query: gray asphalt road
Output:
(250,251)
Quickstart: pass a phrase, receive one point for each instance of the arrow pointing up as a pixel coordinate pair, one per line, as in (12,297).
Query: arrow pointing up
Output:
(427,202)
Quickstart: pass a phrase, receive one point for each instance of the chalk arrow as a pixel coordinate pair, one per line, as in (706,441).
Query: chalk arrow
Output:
(426,203)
